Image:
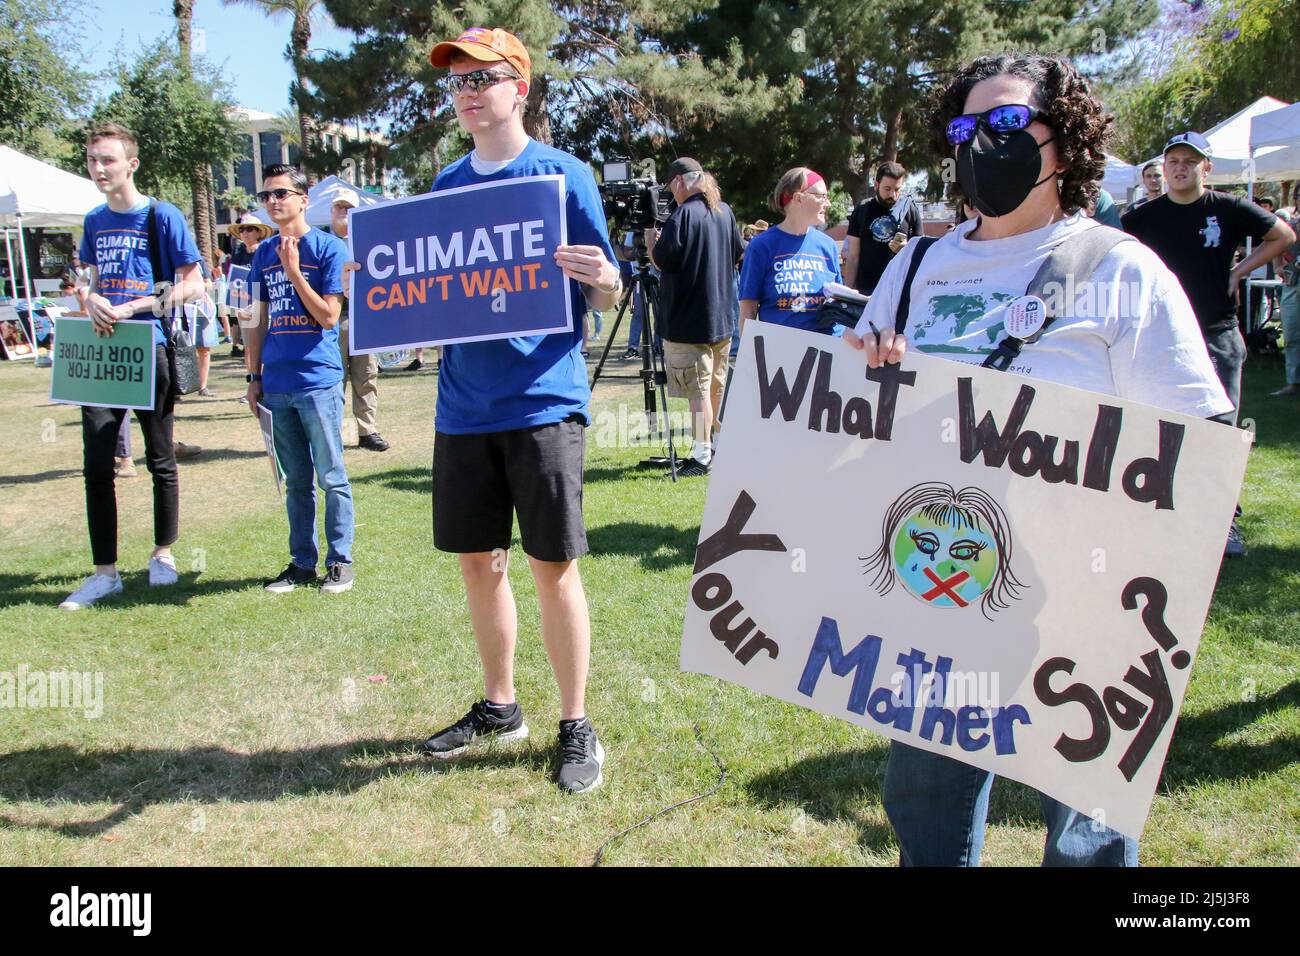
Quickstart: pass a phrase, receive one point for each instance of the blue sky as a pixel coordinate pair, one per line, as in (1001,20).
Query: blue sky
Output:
(247,47)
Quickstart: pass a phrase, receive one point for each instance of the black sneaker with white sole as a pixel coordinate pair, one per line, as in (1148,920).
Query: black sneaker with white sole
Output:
(477,728)
(581,757)
(290,578)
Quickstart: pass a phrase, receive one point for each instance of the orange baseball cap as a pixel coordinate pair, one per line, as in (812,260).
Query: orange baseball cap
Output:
(487,45)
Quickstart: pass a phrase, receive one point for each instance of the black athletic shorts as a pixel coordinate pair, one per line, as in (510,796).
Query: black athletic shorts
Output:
(481,481)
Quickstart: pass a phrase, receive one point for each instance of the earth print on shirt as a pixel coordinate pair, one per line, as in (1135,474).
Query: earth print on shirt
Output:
(952,322)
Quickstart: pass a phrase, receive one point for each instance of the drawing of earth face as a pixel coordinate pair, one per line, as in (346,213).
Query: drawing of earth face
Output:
(942,565)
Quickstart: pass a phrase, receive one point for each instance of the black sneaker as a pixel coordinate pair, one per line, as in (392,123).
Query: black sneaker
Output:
(632,353)
(236,352)
(480,726)
(372,442)
(581,757)
(415,365)
(338,578)
(691,468)
(290,578)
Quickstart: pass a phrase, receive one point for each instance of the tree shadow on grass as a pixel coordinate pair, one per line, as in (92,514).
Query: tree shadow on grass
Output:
(832,788)
(1260,587)
(415,480)
(220,454)
(38,477)
(136,778)
(658,547)
(1196,756)
(50,589)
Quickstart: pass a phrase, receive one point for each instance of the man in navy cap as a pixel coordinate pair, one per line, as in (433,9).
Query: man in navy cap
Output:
(1196,231)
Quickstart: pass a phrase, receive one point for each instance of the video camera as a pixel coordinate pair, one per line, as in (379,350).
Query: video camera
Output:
(633,203)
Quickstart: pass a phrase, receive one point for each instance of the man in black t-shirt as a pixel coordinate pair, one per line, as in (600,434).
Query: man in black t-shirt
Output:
(1196,232)
(879,228)
(696,253)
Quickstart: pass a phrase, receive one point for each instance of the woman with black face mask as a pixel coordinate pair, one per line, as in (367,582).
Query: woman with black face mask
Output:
(1027,140)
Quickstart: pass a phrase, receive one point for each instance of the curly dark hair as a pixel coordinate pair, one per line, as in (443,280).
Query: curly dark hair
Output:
(1082,126)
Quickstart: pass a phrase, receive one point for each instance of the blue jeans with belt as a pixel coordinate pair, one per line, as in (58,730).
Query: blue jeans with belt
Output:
(308,431)
(938,807)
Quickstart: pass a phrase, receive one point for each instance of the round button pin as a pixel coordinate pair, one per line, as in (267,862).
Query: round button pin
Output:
(1025,316)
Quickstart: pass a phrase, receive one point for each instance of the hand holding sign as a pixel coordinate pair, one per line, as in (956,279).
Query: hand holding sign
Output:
(588,265)
(884,347)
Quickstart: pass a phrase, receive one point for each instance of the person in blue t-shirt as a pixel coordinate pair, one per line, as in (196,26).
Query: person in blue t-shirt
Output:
(295,370)
(786,266)
(115,244)
(510,425)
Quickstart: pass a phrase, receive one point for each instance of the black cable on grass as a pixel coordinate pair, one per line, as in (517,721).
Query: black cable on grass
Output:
(722,778)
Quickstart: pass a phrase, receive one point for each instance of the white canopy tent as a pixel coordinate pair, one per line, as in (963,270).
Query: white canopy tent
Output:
(1120,179)
(321,196)
(1230,149)
(34,194)
(1278,132)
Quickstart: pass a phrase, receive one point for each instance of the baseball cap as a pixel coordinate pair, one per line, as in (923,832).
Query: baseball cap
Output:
(487,45)
(1195,140)
(347,197)
(679,167)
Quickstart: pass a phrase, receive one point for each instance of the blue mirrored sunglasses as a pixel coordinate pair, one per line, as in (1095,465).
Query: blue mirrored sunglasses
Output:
(1000,119)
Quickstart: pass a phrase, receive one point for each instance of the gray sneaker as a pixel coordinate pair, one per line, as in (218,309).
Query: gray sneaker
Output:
(1236,546)
(338,578)
(581,757)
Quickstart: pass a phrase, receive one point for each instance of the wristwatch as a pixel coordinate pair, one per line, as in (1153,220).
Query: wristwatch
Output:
(253,377)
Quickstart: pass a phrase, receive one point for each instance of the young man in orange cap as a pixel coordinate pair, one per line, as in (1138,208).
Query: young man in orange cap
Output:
(510,425)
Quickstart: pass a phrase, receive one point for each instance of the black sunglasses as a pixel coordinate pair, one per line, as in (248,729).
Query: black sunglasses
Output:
(266,195)
(1000,119)
(477,81)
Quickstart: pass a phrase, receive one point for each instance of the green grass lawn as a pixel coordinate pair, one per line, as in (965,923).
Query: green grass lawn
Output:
(242,727)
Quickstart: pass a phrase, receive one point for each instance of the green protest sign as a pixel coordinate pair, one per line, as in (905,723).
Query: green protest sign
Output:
(112,372)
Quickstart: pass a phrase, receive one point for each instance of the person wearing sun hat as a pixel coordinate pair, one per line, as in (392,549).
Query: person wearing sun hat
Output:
(247,233)
(510,424)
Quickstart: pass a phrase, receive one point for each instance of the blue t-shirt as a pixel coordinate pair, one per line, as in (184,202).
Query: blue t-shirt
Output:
(785,273)
(528,380)
(117,245)
(298,355)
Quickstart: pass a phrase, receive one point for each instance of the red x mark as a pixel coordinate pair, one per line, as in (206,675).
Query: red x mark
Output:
(944,588)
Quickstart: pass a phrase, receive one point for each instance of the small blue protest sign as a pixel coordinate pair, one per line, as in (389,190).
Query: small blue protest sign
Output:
(459,265)
(238,293)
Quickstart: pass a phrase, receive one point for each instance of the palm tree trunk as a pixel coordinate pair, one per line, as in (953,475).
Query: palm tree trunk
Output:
(300,40)
(201,178)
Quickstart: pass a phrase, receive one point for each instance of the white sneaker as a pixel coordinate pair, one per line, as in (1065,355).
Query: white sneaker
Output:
(162,571)
(95,588)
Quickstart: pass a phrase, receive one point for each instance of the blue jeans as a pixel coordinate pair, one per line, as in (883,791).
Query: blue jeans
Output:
(308,432)
(938,807)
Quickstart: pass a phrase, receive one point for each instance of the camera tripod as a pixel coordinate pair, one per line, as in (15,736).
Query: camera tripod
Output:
(644,288)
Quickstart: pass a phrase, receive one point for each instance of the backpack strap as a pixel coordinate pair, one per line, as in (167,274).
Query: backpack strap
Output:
(1071,262)
(155,265)
(923,244)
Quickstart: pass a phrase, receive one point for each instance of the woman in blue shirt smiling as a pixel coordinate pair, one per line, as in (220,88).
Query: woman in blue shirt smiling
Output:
(786,267)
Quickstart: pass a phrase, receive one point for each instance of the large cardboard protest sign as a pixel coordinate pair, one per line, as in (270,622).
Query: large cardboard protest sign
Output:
(459,265)
(999,569)
(112,372)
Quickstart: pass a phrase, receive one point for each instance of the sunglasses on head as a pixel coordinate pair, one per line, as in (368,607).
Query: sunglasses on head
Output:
(1000,119)
(266,195)
(477,81)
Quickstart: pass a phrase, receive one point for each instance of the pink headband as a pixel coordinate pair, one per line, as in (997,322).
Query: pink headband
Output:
(813,180)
